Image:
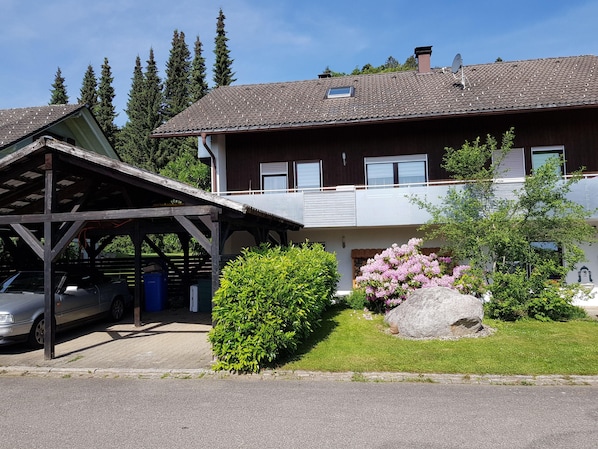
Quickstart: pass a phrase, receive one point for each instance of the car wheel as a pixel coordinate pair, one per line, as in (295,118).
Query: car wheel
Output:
(36,335)
(117,309)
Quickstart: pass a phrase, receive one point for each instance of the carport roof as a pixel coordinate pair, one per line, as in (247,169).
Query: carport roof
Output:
(89,185)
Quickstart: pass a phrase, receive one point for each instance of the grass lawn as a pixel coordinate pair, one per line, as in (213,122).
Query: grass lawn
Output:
(349,341)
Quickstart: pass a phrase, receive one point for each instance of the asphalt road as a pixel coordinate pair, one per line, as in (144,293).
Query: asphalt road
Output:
(236,413)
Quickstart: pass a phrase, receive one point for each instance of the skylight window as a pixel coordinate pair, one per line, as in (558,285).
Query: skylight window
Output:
(340,92)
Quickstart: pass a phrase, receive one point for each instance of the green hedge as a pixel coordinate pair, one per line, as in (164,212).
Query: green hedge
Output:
(269,300)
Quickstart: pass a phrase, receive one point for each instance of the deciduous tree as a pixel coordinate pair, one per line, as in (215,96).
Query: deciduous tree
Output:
(521,238)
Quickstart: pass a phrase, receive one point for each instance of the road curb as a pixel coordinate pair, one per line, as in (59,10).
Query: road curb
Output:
(275,375)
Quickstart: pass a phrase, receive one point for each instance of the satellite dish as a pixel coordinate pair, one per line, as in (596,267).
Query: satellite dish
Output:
(457,63)
(458,67)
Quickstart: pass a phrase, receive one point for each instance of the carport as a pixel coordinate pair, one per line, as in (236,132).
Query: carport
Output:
(53,193)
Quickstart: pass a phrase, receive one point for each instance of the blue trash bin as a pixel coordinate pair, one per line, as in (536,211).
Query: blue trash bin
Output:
(155,288)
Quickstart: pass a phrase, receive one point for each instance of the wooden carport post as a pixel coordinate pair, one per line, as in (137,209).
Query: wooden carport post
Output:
(137,240)
(216,252)
(49,287)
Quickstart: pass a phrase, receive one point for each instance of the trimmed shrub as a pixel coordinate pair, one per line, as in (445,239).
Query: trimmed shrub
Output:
(270,300)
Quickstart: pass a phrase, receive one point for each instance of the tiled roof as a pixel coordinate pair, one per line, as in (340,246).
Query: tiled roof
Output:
(17,124)
(496,87)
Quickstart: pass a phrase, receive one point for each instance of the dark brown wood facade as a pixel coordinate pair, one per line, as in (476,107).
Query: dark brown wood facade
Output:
(575,129)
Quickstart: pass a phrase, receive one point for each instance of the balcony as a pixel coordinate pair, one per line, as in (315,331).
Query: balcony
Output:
(360,206)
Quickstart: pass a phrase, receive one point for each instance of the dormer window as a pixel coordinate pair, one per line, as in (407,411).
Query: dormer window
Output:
(340,92)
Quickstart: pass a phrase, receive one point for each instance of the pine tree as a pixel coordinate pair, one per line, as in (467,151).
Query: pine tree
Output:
(223,75)
(176,85)
(59,95)
(89,90)
(199,85)
(105,113)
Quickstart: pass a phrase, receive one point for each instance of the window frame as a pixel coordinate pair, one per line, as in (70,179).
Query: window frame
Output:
(396,161)
(296,164)
(513,162)
(554,150)
(274,170)
(340,92)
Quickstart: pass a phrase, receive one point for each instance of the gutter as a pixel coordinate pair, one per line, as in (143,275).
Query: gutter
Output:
(212,157)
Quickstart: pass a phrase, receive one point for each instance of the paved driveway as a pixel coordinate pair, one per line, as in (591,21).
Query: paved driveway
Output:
(171,339)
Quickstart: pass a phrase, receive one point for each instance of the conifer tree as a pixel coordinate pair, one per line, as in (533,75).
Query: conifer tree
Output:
(105,113)
(152,107)
(199,85)
(131,139)
(59,95)
(223,75)
(176,85)
(89,90)
(177,96)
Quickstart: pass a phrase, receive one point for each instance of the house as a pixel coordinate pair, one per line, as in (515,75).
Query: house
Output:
(341,154)
(70,123)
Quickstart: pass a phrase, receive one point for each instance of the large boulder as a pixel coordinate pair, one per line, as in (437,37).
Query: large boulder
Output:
(436,312)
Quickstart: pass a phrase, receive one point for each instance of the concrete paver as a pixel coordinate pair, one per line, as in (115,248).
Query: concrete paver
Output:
(170,339)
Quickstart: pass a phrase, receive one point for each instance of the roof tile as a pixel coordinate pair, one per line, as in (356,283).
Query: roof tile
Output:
(16,124)
(500,86)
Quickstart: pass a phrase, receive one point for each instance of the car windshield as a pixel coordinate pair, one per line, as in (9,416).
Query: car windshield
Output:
(25,282)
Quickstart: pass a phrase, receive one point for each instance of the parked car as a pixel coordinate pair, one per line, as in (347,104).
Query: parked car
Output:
(79,297)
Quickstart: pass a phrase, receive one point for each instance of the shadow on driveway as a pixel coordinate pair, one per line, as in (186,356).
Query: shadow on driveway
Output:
(170,339)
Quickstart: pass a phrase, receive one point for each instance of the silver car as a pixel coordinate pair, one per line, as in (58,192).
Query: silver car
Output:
(79,298)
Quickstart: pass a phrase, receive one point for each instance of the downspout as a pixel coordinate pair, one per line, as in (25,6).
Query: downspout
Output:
(204,137)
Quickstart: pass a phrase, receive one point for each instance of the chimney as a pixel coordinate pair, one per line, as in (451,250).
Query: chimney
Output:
(423,55)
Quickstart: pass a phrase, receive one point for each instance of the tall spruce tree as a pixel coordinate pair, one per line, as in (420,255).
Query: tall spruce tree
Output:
(223,75)
(152,107)
(89,90)
(58,91)
(177,95)
(176,85)
(131,138)
(199,85)
(105,113)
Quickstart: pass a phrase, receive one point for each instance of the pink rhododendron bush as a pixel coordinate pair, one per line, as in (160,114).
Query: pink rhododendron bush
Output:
(391,275)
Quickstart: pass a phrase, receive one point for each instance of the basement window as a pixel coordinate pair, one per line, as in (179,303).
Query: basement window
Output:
(340,92)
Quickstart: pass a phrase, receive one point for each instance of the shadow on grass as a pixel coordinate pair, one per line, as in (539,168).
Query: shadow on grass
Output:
(321,333)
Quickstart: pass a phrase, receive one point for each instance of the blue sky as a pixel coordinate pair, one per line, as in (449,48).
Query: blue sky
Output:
(273,40)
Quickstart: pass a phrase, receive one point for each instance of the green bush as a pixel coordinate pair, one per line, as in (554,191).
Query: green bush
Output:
(269,300)
(510,293)
(517,295)
(357,299)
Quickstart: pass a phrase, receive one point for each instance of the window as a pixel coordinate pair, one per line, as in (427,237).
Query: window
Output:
(340,92)
(541,154)
(513,164)
(308,175)
(274,176)
(396,170)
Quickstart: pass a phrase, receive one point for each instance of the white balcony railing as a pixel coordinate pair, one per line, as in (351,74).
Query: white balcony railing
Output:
(362,206)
